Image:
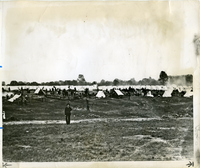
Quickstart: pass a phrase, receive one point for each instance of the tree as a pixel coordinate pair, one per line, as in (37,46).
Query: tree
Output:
(94,83)
(74,82)
(21,83)
(102,82)
(108,83)
(116,82)
(34,83)
(163,78)
(132,81)
(13,83)
(81,79)
(189,79)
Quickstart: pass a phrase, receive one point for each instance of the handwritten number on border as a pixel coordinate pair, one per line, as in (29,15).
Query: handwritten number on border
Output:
(5,165)
(190,164)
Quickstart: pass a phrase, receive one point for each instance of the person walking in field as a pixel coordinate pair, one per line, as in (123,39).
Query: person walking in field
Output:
(68,110)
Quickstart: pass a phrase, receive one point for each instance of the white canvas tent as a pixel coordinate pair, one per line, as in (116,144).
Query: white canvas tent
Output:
(149,94)
(38,90)
(4,94)
(80,88)
(188,93)
(14,98)
(138,87)
(174,86)
(100,94)
(153,88)
(119,93)
(168,92)
(181,88)
(148,87)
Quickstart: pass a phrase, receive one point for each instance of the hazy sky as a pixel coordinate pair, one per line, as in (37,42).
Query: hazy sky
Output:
(47,41)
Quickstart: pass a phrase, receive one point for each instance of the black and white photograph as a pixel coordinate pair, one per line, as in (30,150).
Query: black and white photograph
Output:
(100,81)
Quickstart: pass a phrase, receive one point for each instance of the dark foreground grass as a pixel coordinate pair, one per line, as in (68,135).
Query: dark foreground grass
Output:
(170,138)
(101,141)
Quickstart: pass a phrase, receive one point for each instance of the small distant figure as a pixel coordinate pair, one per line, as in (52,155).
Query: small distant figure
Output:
(68,110)
(24,100)
(129,95)
(3,115)
(88,107)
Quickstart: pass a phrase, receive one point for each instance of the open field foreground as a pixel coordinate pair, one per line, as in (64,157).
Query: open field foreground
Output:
(140,129)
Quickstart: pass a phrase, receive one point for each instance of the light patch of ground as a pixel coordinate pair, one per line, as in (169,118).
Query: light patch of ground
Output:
(78,121)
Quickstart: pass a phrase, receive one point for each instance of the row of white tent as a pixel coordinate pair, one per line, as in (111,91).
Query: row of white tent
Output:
(188,91)
(167,93)
(168,90)
(16,96)
(66,87)
(93,87)
(101,94)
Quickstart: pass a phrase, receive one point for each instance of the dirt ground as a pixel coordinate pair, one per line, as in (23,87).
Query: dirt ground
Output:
(140,129)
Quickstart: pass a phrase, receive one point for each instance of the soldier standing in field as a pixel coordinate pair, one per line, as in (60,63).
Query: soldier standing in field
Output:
(87,102)
(68,110)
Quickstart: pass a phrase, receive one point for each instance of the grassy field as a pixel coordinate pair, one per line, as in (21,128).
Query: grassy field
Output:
(168,136)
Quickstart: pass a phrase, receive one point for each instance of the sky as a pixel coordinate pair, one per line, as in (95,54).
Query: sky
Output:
(51,41)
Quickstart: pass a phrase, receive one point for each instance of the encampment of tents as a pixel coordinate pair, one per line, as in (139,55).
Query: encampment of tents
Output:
(100,94)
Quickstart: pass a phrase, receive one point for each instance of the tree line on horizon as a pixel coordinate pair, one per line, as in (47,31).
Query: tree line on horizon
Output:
(163,80)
